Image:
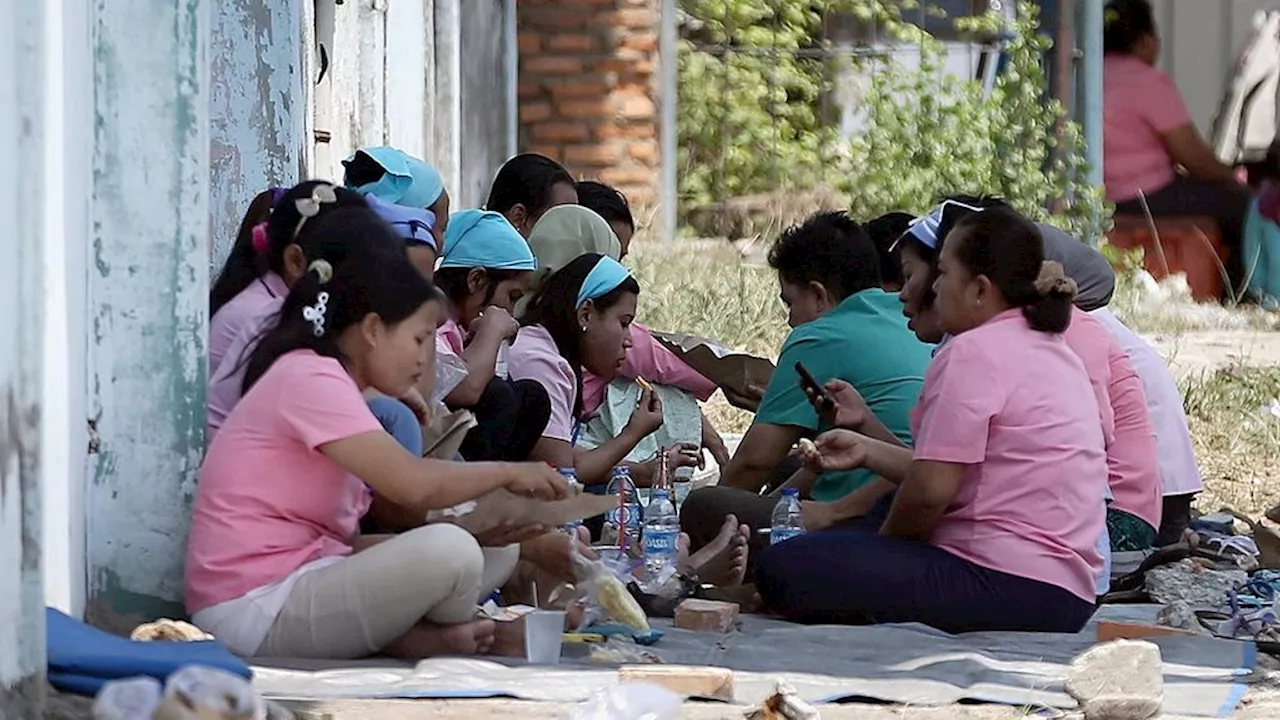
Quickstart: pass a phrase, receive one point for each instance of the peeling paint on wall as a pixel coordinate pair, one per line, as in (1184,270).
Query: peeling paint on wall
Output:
(256,109)
(148,291)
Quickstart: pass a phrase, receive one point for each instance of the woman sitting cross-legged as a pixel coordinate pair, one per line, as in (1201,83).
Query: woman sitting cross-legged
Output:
(275,565)
(1001,503)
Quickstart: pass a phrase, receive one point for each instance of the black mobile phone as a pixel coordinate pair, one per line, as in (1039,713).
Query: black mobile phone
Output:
(821,398)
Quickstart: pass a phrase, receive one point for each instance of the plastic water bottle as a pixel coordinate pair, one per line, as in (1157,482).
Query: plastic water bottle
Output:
(788,521)
(571,477)
(661,536)
(681,485)
(623,521)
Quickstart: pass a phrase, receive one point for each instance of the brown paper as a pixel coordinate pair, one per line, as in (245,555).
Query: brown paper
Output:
(502,508)
(726,368)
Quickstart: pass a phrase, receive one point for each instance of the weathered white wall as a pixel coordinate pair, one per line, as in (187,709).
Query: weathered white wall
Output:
(485,131)
(21,128)
(1201,40)
(406,82)
(148,294)
(256,108)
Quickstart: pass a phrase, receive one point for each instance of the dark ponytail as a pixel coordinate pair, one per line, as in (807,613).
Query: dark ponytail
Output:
(1125,24)
(1008,249)
(278,209)
(361,265)
(556,310)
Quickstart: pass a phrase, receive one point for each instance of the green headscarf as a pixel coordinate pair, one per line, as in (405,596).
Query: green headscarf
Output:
(563,233)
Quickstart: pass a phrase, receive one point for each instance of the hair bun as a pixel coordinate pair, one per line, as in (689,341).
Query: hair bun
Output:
(1053,280)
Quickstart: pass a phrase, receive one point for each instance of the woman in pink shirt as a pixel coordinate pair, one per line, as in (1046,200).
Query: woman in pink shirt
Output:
(275,563)
(1151,147)
(996,523)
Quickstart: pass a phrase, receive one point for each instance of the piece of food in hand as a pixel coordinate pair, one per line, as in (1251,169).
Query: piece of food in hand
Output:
(808,449)
(644,384)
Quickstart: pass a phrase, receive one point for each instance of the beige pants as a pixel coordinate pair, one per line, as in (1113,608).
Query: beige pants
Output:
(358,606)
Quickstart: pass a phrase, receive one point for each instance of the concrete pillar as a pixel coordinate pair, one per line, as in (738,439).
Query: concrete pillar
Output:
(22,91)
(148,296)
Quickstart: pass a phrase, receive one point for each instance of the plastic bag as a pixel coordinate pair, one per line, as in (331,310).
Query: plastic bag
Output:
(629,701)
(451,370)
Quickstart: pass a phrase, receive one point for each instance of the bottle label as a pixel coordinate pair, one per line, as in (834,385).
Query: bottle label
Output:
(783,534)
(660,542)
(628,515)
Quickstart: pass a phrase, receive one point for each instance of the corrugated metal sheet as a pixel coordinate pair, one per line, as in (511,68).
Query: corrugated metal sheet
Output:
(1200,42)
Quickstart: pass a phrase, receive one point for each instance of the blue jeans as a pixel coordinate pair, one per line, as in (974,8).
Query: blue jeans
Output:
(398,420)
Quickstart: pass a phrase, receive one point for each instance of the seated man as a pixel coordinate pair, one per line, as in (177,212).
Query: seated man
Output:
(845,327)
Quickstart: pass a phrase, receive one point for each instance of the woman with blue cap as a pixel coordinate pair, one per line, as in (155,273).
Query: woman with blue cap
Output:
(484,269)
(396,177)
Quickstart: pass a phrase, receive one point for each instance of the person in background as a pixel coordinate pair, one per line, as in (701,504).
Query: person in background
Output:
(393,176)
(885,232)
(845,327)
(1151,149)
(581,322)
(528,185)
(289,240)
(278,568)
(611,205)
(999,505)
(483,272)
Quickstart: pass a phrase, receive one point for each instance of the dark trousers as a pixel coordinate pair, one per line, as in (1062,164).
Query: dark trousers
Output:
(853,576)
(1192,196)
(511,417)
(1175,519)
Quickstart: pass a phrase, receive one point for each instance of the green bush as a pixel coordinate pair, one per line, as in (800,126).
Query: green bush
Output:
(751,122)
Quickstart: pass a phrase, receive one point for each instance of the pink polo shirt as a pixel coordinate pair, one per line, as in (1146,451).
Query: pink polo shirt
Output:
(268,500)
(225,381)
(1016,407)
(245,308)
(1140,105)
(1133,464)
(534,356)
(649,359)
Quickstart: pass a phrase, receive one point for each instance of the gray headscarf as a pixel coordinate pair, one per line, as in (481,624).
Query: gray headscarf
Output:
(1095,279)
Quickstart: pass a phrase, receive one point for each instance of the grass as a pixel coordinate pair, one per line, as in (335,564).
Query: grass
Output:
(713,289)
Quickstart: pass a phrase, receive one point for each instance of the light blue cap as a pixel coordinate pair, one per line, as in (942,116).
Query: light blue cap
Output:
(481,239)
(603,279)
(408,180)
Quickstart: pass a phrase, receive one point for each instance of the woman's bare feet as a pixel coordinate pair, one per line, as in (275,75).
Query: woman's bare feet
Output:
(723,561)
(427,640)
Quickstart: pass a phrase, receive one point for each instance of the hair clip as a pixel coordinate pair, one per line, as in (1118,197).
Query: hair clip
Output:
(322,269)
(314,314)
(261,243)
(309,207)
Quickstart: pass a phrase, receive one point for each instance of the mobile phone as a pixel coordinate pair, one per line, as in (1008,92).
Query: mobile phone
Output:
(821,398)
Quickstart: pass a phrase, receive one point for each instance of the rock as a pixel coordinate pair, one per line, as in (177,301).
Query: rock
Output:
(1189,583)
(1122,680)
(706,615)
(1178,615)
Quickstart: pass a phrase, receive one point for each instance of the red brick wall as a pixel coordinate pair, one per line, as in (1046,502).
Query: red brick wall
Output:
(588,89)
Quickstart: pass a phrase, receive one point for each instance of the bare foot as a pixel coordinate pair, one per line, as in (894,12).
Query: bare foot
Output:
(426,640)
(508,639)
(723,561)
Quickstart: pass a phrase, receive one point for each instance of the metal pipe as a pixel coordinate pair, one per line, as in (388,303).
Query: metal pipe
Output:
(670,97)
(1090,84)
(448,37)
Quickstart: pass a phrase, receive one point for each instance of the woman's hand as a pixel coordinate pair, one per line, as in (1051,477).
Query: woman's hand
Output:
(537,480)
(417,404)
(850,410)
(836,450)
(555,553)
(505,535)
(714,444)
(647,417)
(498,323)
(749,400)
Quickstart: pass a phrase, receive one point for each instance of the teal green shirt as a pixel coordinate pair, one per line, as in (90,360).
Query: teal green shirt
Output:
(865,342)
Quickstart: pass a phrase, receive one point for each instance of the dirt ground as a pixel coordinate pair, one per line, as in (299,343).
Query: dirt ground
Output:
(1195,351)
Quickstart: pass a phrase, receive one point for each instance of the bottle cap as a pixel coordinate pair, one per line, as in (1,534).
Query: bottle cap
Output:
(660,493)
(790,492)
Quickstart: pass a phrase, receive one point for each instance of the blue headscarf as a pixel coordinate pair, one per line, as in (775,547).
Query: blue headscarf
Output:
(408,180)
(603,279)
(480,239)
(925,228)
(410,223)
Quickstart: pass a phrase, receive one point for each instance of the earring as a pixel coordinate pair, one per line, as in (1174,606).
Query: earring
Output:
(584,328)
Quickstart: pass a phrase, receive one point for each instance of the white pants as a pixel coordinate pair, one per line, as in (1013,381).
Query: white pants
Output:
(358,606)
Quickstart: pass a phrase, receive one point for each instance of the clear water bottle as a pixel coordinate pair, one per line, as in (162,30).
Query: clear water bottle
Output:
(681,485)
(788,520)
(571,477)
(661,538)
(623,521)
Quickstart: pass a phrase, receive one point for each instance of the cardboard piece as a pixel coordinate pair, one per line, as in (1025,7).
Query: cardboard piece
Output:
(715,683)
(729,369)
(502,508)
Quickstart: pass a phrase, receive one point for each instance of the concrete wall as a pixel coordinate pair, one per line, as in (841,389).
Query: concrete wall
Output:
(1201,41)
(487,93)
(21,136)
(256,108)
(148,295)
